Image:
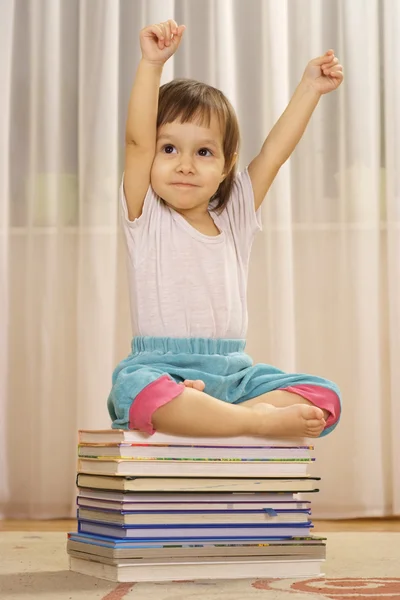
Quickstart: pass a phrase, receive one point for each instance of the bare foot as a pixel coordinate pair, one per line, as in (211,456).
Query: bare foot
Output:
(196,384)
(292,421)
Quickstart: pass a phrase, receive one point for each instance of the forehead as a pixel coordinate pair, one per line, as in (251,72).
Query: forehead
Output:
(192,131)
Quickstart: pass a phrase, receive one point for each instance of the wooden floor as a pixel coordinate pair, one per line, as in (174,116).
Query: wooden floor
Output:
(389,525)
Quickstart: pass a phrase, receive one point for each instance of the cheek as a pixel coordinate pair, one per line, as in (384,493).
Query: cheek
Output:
(159,175)
(158,171)
(215,175)
(212,170)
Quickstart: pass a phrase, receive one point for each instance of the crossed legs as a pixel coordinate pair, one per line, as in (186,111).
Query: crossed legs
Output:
(275,414)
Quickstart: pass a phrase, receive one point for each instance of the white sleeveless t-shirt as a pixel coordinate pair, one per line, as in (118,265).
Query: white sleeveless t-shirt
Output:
(184,283)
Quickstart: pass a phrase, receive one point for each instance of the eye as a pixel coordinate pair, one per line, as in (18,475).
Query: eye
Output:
(168,149)
(203,152)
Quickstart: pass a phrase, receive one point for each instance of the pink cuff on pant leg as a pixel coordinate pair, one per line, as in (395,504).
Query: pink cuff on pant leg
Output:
(320,396)
(154,395)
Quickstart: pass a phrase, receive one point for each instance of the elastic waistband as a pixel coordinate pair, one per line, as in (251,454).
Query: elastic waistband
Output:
(187,345)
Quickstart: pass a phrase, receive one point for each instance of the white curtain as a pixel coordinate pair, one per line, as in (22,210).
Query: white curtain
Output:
(324,291)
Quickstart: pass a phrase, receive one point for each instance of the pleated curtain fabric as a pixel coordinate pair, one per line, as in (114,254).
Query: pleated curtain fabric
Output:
(324,289)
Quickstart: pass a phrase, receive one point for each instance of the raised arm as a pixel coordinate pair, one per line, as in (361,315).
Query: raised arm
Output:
(158,43)
(322,75)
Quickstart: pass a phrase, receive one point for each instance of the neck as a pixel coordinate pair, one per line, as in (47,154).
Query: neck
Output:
(197,214)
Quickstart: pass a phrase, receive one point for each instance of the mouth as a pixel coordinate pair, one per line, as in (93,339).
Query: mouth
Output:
(183,185)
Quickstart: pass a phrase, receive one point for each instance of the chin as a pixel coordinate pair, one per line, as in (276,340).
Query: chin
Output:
(177,200)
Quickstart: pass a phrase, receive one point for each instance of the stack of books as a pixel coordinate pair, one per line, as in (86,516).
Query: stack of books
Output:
(163,508)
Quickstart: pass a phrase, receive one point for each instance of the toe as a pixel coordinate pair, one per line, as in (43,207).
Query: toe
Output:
(316,430)
(199,384)
(311,413)
(316,423)
(318,414)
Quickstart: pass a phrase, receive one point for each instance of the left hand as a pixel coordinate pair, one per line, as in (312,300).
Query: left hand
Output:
(324,73)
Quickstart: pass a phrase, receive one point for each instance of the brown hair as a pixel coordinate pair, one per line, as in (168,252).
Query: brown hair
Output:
(187,100)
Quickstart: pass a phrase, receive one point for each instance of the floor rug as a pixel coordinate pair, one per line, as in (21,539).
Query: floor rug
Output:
(360,566)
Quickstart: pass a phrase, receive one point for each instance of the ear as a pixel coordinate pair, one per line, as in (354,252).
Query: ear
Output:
(230,166)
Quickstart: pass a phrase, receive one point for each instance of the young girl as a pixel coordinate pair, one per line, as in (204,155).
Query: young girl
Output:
(189,221)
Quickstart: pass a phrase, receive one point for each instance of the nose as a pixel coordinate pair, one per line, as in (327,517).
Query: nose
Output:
(185,164)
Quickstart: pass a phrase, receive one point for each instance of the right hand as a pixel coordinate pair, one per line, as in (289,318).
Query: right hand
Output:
(159,42)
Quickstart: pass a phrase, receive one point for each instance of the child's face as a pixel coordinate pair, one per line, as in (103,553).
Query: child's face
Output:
(189,164)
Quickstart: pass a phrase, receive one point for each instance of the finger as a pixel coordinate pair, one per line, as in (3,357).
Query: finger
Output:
(334,61)
(178,37)
(158,31)
(330,65)
(325,58)
(168,33)
(336,72)
(164,31)
(174,26)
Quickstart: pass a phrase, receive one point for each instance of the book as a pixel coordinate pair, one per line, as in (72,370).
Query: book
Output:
(126,450)
(119,549)
(162,507)
(259,531)
(193,517)
(298,540)
(178,468)
(193,560)
(126,496)
(313,552)
(205,484)
(133,436)
(181,506)
(173,571)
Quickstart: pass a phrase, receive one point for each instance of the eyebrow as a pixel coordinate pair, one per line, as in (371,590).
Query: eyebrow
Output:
(208,142)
